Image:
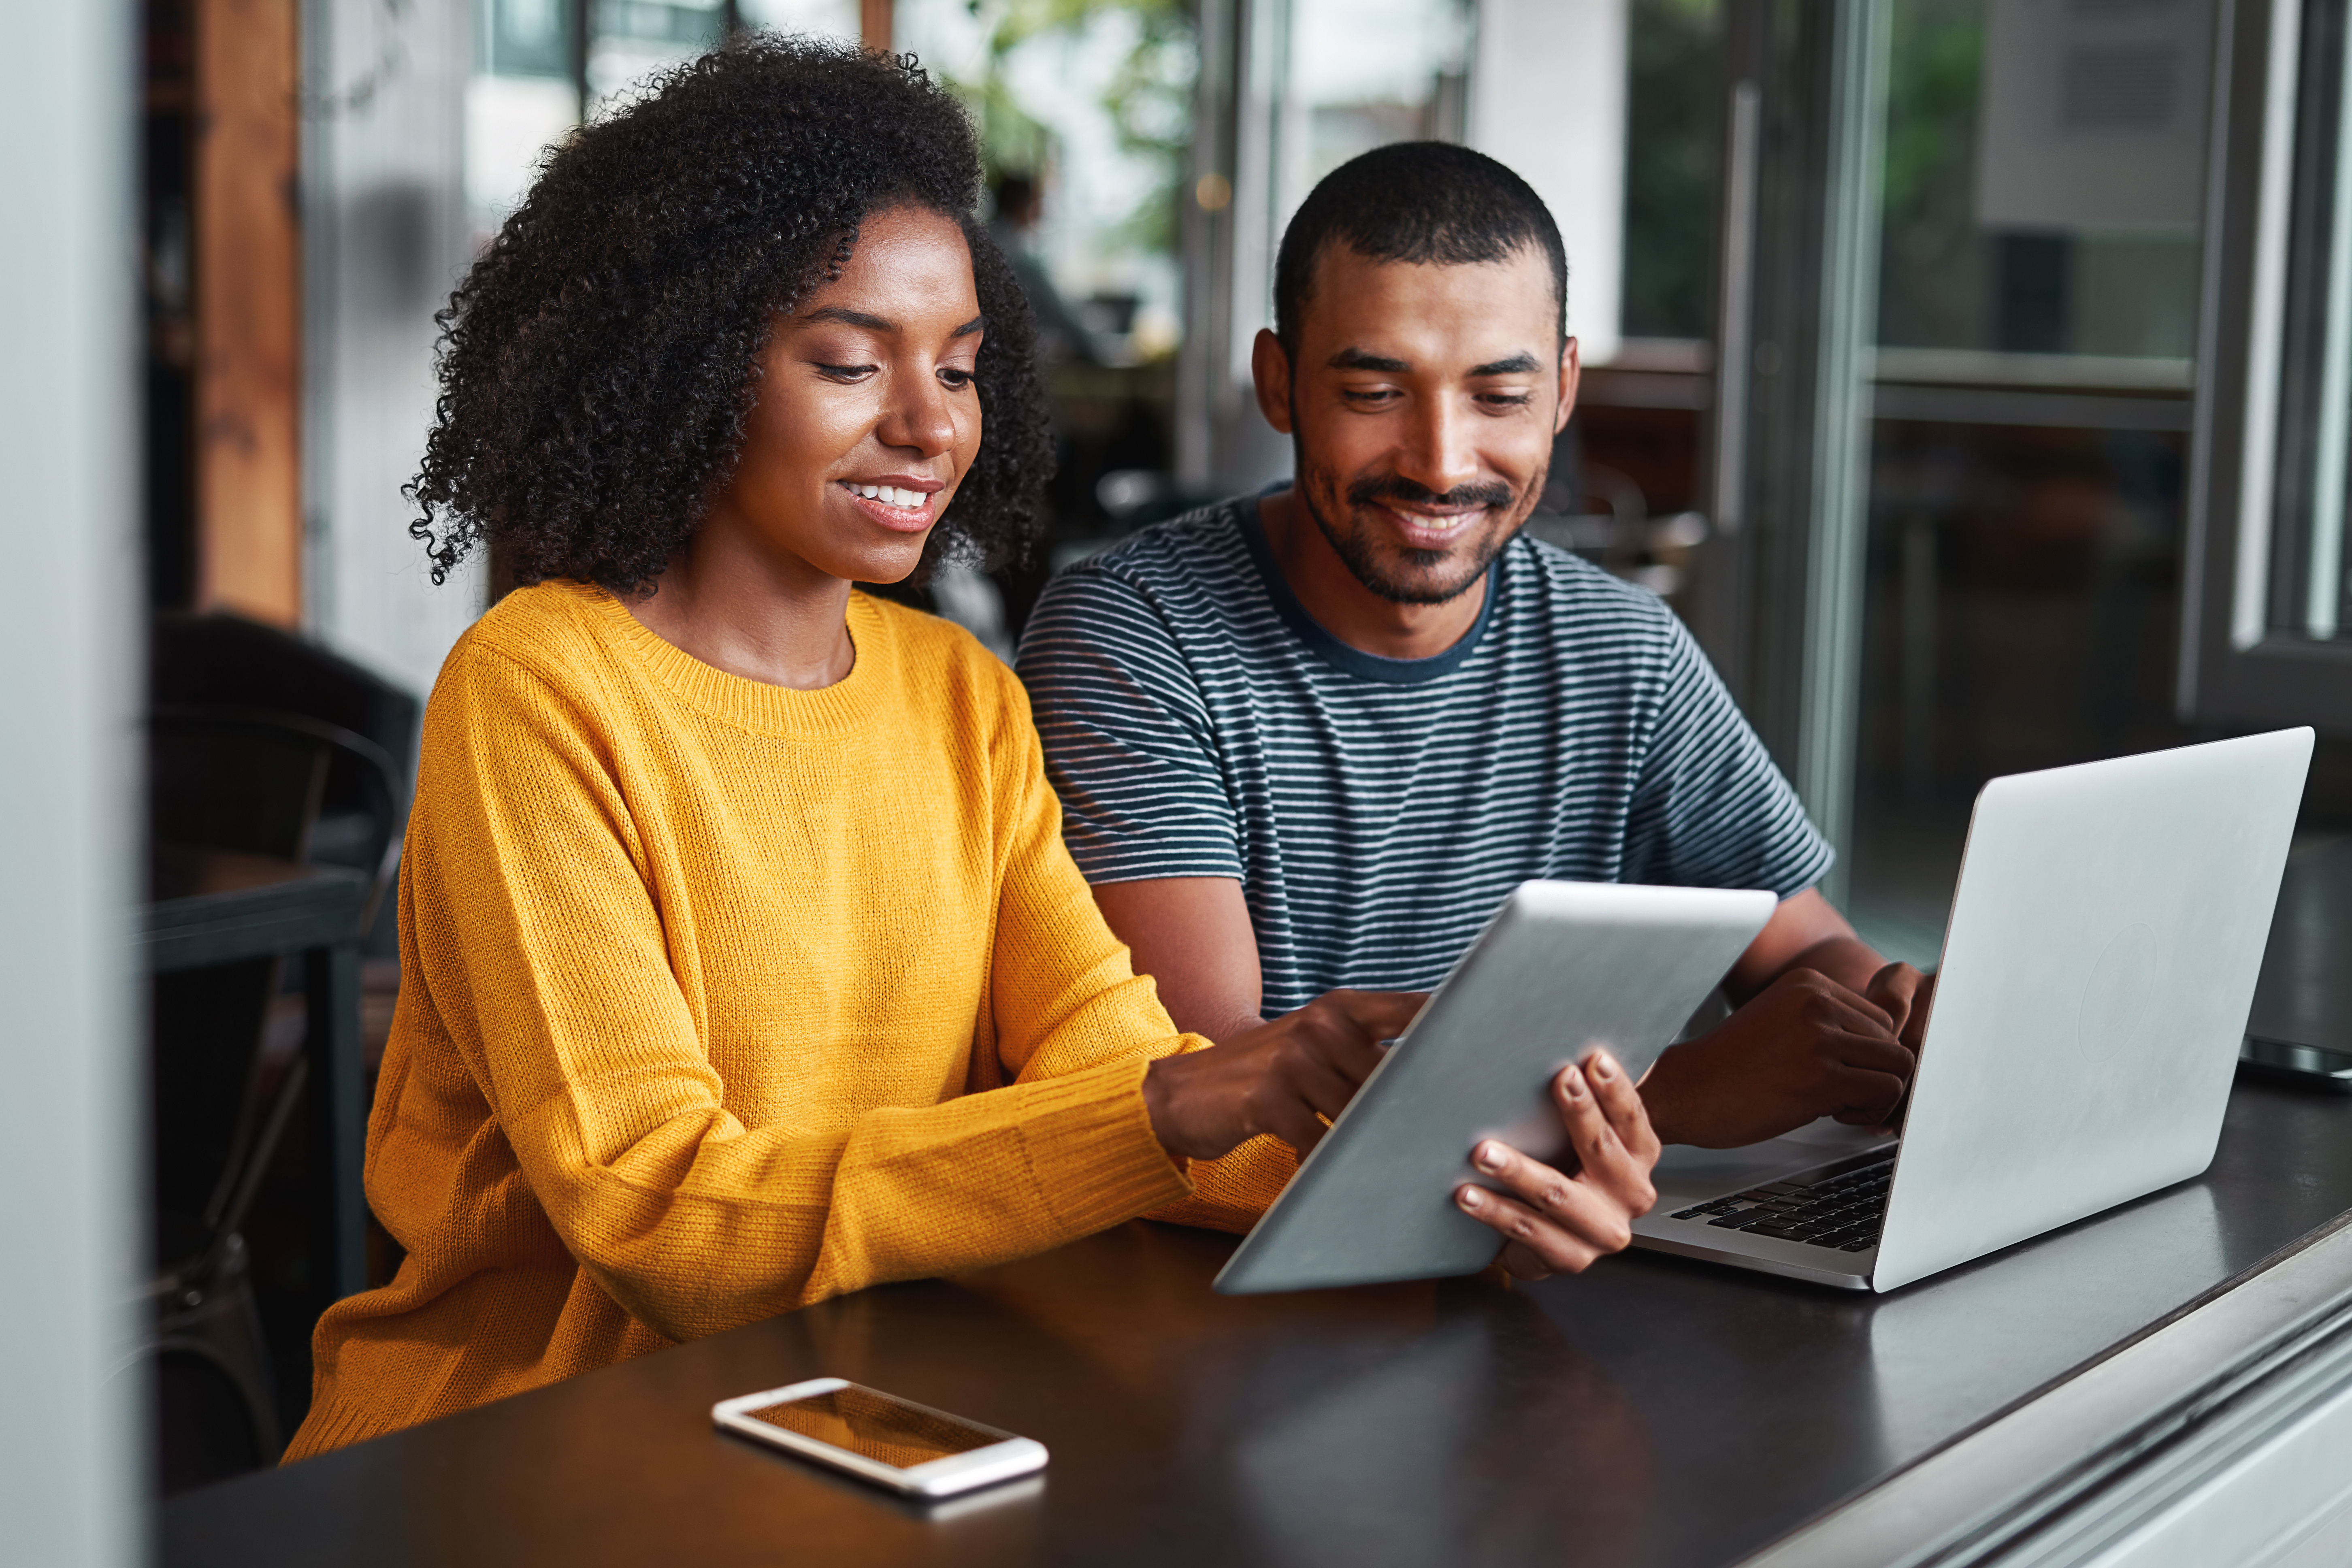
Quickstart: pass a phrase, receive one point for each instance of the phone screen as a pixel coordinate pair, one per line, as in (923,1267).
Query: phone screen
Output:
(877,1426)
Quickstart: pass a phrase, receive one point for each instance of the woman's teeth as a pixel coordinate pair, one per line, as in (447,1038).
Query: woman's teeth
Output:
(890,495)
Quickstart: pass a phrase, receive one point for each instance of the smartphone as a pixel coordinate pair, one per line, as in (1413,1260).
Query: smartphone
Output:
(2305,1067)
(880,1437)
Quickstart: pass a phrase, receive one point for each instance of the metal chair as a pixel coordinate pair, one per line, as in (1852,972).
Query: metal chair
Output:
(218,661)
(251,782)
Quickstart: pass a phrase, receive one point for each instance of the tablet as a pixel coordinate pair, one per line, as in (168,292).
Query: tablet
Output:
(1561,968)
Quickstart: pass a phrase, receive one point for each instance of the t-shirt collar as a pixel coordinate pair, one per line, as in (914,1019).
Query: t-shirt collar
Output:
(1330,649)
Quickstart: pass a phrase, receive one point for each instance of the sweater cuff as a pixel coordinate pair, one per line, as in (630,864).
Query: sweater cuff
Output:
(1092,1152)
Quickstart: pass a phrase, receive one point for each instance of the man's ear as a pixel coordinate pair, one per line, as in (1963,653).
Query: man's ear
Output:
(1270,368)
(1569,372)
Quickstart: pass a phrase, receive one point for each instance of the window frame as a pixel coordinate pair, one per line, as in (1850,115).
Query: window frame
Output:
(2237,667)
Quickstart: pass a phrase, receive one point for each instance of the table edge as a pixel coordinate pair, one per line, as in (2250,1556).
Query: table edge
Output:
(2060,1441)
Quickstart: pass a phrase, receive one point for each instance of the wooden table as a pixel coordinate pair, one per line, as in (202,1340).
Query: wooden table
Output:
(214,906)
(1655,1412)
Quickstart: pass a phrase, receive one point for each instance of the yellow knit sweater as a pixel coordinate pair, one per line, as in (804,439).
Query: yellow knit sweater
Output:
(702,981)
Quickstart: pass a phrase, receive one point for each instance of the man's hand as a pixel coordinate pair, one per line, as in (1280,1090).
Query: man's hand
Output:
(1555,1223)
(1805,1047)
(1903,994)
(1277,1078)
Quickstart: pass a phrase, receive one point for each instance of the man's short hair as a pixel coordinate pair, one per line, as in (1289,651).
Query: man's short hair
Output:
(1414,200)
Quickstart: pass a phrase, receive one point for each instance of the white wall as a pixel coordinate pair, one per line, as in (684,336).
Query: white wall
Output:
(385,240)
(70,1495)
(1547,97)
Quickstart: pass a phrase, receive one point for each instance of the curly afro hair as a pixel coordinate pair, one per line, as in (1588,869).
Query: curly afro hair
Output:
(598,363)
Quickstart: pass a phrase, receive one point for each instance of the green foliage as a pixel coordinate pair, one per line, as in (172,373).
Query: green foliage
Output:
(1935,287)
(1150,100)
(1670,157)
(1936,62)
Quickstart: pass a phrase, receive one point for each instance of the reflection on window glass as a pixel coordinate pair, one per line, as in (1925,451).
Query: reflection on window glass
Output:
(1669,154)
(824,18)
(527,38)
(522,100)
(1085,114)
(1364,73)
(2044,174)
(2308,582)
(526,92)
(2038,305)
(631,39)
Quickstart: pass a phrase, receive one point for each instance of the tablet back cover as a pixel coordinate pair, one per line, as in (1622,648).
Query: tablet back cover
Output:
(1562,967)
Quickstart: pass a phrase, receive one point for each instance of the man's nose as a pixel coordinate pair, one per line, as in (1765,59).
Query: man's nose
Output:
(1437,453)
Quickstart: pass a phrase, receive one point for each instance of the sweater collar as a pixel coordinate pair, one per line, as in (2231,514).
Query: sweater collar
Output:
(754,705)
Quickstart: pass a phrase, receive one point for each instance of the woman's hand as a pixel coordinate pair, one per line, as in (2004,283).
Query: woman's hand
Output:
(1555,1223)
(1283,1076)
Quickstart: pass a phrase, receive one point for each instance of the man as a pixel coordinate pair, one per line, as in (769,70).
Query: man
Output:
(1312,738)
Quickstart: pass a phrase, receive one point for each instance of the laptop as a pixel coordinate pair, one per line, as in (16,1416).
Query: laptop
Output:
(2097,971)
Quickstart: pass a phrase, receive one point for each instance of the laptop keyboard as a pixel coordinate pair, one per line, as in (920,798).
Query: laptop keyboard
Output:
(1842,1211)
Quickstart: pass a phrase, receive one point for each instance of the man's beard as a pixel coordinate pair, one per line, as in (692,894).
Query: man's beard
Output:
(1362,558)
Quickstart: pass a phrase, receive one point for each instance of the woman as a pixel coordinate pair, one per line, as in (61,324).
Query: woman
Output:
(742,961)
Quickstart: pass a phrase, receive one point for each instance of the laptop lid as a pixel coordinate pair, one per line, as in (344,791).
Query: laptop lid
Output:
(2097,975)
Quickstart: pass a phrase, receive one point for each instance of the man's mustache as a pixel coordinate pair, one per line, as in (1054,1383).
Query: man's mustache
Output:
(1396,488)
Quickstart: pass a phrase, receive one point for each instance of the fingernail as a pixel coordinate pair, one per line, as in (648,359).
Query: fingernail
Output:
(1490,1157)
(1470,1197)
(1602,1066)
(1575,1081)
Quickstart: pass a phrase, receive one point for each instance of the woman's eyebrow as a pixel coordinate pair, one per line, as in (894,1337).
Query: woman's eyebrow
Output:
(849,318)
(873,323)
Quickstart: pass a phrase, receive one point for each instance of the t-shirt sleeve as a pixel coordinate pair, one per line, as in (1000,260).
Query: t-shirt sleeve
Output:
(1709,808)
(1128,741)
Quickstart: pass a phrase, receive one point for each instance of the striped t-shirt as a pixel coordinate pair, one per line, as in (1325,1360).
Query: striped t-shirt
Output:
(1198,722)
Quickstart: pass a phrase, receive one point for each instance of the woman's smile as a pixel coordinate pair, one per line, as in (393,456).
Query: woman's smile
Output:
(900,502)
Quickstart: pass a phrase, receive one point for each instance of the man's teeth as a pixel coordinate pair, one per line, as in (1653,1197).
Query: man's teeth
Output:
(890,495)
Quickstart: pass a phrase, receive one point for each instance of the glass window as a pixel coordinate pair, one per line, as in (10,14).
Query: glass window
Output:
(521,98)
(531,77)
(1085,124)
(2045,171)
(2266,628)
(2040,257)
(1671,90)
(1363,73)
(2306,588)
(527,38)
(826,18)
(631,39)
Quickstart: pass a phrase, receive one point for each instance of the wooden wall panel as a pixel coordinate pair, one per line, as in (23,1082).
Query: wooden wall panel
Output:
(249,279)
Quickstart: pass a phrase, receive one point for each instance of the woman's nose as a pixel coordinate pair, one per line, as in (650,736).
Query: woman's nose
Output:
(921,416)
